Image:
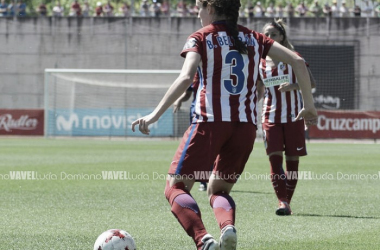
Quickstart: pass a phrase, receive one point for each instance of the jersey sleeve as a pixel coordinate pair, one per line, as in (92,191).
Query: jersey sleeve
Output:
(193,44)
(266,43)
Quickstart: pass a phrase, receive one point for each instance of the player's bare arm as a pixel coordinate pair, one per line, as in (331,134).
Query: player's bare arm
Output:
(289,87)
(312,79)
(183,98)
(178,87)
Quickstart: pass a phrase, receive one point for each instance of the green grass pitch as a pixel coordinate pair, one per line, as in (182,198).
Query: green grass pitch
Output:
(64,202)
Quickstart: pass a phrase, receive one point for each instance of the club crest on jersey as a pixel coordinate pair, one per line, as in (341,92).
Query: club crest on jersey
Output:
(282,66)
(190,43)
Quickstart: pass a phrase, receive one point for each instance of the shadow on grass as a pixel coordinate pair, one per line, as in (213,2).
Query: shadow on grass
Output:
(338,216)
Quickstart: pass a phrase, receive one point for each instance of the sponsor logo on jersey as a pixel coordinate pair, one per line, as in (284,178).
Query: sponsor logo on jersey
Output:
(275,81)
(190,44)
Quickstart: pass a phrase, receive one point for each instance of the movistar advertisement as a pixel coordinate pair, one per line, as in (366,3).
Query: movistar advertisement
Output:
(21,122)
(104,122)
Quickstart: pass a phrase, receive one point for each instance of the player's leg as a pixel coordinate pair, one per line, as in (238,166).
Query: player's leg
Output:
(221,202)
(229,165)
(274,145)
(277,175)
(190,158)
(292,163)
(186,209)
(224,209)
(279,183)
(295,146)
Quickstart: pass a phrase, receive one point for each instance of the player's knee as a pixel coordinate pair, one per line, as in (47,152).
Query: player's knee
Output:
(277,153)
(292,158)
(171,192)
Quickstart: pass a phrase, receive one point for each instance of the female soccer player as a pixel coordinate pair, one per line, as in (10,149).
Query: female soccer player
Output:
(281,130)
(219,141)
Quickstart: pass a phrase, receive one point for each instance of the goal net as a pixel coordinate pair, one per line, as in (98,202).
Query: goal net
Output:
(106,102)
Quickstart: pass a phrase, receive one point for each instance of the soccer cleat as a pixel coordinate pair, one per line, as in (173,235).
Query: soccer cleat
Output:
(203,186)
(228,239)
(283,209)
(209,243)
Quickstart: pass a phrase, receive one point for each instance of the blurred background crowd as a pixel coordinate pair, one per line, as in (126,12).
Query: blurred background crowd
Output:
(181,8)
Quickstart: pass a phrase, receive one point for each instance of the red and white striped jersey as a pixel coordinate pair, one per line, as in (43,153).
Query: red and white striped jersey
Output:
(279,107)
(227,79)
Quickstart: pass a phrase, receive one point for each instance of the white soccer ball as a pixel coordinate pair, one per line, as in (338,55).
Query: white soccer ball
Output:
(115,239)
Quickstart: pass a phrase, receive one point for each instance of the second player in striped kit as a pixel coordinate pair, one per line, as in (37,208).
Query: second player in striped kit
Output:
(281,131)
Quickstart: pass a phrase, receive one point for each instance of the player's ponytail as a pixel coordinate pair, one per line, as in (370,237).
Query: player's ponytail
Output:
(232,15)
(230,9)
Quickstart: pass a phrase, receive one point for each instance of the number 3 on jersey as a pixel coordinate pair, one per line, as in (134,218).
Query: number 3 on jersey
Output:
(236,83)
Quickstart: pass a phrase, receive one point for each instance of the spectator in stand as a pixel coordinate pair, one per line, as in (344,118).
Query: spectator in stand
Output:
(99,9)
(377,10)
(192,10)
(302,9)
(144,11)
(125,10)
(41,9)
(326,10)
(271,11)
(11,9)
(156,8)
(334,9)
(367,11)
(196,10)
(259,11)
(289,9)
(250,10)
(86,10)
(242,12)
(108,9)
(75,9)
(343,10)
(357,11)
(165,8)
(181,8)
(21,8)
(58,10)
(279,10)
(316,9)
(3,8)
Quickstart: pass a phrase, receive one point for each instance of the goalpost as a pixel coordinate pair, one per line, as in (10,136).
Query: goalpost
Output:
(93,102)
